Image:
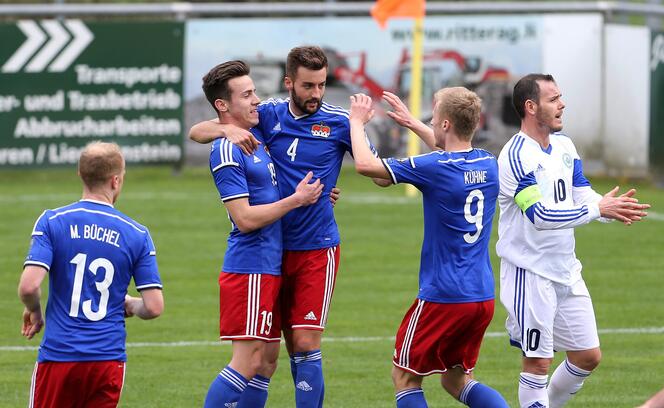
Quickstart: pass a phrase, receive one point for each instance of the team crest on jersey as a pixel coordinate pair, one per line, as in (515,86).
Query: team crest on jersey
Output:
(567,159)
(321,130)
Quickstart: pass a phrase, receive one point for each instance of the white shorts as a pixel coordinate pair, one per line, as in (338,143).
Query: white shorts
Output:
(544,316)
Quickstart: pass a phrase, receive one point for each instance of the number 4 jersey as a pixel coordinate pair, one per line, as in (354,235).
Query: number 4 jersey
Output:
(459,192)
(91,251)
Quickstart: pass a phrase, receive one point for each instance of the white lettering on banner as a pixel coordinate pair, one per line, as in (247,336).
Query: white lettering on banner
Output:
(44,103)
(9,103)
(112,100)
(62,153)
(128,76)
(38,128)
(657,52)
(16,155)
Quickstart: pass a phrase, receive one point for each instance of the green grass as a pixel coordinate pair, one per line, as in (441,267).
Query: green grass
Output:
(377,282)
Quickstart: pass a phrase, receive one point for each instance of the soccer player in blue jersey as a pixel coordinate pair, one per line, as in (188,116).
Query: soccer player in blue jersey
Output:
(251,275)
(303,134)
(543,196)
(91,252)
(443,329)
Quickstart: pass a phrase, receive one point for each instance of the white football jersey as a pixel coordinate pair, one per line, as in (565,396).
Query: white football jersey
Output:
(543,196)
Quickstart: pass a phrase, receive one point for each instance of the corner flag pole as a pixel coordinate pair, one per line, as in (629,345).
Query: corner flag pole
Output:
(415,99)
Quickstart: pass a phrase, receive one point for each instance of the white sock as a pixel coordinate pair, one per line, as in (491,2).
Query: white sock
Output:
(532,391)
(565,382)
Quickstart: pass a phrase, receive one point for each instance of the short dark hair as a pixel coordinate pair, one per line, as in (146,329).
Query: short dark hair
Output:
(528,88)
(310,57)
(215,82)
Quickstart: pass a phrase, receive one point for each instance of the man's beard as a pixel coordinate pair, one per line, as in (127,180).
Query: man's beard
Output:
(302,105)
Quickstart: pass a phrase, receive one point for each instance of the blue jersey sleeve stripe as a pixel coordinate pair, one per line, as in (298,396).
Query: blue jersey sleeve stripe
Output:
(34,227)
(579,180)
(97,212)
(226,155)
(412,162)
(527,181)
(37,263)
(561,212)
(149,285)
(234,196)
(389,170)
(559,217)
(515,163)
(153,253)
(37,233)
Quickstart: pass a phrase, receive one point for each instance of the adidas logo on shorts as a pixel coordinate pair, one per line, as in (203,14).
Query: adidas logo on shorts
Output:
(302,385)
(310,316)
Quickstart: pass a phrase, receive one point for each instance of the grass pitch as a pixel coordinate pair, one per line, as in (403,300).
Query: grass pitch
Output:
(173,359)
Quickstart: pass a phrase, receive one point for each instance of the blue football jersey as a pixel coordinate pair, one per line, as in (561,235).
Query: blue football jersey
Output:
(237,175)
(316,143)
(92,251)
(459,191)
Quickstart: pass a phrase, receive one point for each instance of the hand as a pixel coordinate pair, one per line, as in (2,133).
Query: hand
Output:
(242,138)
(624,208)
(32,323)
(361,108)
(400,112)
(129,305)
(307,194)
(335,193)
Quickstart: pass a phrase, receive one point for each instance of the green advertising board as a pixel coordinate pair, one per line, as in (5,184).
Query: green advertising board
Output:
(64,83)
(657,103)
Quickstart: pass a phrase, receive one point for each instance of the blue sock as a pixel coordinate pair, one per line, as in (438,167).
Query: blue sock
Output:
(225,389)
(411,398)
(478,395)
(255,395)
(309,382)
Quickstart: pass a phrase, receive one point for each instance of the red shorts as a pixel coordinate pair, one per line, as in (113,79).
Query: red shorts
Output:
(95,384)
(309,278)
(436,336)
(248,306)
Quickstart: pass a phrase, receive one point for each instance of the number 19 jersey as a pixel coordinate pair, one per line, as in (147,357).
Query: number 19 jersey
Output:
(91,251)
(459,192)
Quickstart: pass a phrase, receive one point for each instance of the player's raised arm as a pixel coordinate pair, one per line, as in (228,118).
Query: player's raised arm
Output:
(248,217)
(366,163)
(207,131)
(403,117)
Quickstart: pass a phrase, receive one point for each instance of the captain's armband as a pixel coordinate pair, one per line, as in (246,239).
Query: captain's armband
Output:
(527,197)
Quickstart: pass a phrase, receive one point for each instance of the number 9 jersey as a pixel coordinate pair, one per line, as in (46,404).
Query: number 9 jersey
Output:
(91,251)
(459,197)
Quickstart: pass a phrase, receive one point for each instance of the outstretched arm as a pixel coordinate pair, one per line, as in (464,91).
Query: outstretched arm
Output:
(248,217)
(366,163)
(403,117)
(29,291)
(207,131)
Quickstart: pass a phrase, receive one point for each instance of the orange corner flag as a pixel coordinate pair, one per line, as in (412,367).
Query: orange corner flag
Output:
(383,10)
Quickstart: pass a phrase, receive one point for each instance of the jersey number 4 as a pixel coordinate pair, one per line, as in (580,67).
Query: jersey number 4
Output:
(475,218)
(80,261)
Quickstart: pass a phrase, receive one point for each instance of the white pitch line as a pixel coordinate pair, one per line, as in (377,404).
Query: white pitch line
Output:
(624,330)
(655,216)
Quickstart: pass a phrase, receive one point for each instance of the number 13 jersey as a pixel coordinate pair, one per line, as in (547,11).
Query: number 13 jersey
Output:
(91,252)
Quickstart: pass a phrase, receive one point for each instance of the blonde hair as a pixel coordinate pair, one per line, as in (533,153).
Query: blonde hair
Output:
(461,107)
(99,162)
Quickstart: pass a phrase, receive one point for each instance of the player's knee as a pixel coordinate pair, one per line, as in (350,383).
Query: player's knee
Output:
(539,366)
(403,379)
(453,381)
(587,360)
(305,341)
